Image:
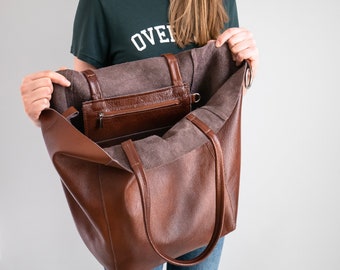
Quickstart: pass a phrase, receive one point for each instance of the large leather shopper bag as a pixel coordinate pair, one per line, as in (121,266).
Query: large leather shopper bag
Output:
(139,203)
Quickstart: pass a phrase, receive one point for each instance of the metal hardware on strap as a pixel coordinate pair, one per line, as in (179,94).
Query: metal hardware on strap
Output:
(196,97)
(248,75)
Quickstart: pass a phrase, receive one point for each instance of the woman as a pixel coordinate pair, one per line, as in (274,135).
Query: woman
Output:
(108,32)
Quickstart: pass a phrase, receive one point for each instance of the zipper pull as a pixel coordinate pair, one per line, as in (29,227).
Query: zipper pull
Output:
(100,119)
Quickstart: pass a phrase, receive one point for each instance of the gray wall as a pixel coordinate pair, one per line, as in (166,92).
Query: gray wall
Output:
(289,212)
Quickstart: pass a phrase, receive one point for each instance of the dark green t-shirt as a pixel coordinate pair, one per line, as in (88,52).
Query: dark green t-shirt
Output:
(108,32)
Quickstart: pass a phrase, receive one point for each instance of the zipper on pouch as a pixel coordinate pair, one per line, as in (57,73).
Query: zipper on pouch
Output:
(164,104)
(194,98)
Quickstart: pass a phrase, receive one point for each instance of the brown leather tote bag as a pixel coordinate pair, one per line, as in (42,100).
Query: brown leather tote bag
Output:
(140,203)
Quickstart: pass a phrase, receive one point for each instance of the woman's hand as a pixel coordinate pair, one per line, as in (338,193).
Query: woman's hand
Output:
(36,92)
(242,46)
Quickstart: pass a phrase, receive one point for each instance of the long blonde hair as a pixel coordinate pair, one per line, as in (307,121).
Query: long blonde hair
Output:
(196,21)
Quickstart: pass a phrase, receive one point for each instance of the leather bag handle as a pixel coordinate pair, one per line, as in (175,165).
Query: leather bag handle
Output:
(96,92)
(175,74)
(137,167)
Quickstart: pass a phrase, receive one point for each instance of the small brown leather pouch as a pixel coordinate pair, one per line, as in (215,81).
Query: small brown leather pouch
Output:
(109,121)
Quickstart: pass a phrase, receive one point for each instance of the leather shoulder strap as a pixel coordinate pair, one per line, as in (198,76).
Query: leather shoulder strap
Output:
(96,92)
(137,167)
(175,73)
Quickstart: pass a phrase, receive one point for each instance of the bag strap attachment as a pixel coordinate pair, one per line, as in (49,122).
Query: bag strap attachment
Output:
(248,75)
(137,167)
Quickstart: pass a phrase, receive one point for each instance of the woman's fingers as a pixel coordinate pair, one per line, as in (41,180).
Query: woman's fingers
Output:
(53,76)
(36,91)
(242,45)
(227,34)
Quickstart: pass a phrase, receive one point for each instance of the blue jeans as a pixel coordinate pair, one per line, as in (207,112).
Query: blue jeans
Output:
(210,263)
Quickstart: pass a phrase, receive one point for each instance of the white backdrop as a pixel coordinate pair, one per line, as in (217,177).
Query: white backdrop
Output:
(289,211)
